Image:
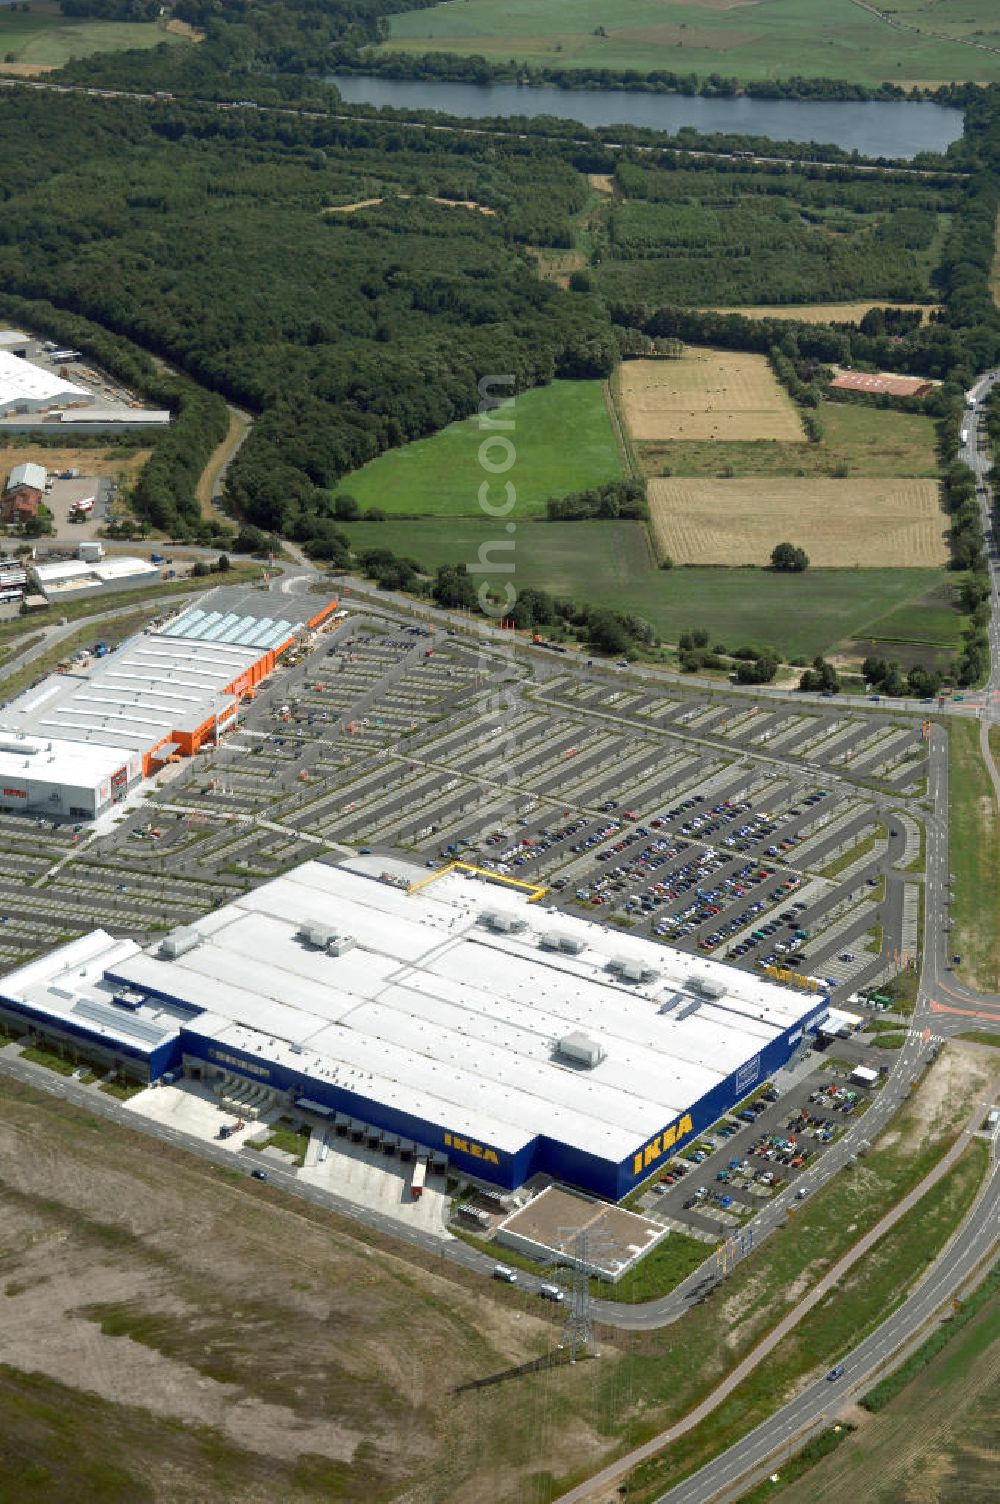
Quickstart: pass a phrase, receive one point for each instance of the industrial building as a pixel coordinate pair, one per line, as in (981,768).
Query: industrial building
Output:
(75,744)
(456,1015)
(27,388)
(91,571)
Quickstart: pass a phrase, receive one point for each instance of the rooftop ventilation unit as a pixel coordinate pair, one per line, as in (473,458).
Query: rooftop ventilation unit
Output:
(581,1049)
(502,924)
(129,998)
(560,940)
(704,987)
(339,944)
(179,942)
(319,935)
(631,971)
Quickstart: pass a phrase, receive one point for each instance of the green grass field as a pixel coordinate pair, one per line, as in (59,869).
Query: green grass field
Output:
(609,564)
(755,40)
(930,618)
(863,441)
(45,38)
(975,858)
(562,441)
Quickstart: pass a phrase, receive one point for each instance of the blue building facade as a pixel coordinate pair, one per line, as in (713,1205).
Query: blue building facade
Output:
(201,1053)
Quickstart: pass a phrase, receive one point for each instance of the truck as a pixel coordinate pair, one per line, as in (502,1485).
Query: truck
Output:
(100,650)
(418,1178)
(157,559)
(964,436)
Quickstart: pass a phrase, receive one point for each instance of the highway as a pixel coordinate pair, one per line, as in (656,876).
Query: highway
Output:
(816,1407)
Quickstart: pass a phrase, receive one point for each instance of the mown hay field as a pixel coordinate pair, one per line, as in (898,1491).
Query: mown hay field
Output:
(825,313)
(841,524)
(707,394)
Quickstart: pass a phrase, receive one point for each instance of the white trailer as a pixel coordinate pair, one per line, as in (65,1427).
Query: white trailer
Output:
(419,1176)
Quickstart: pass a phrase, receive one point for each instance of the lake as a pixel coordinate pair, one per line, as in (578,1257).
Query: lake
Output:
(890,128)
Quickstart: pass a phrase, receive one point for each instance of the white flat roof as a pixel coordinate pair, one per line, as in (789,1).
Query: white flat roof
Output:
(21,380)
(115,415)
(82,765)
(120,568)
(61,569)
(69,986)
(152,685)
(436,1015)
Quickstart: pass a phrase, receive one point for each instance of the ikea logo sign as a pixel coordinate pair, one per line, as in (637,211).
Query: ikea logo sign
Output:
(466,1146)
(662,1144)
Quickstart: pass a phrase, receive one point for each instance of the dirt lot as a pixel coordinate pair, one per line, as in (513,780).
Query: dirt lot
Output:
(823,313)
(164,1308)
(960,1072)
(839,523)
(707,394)
(88,461)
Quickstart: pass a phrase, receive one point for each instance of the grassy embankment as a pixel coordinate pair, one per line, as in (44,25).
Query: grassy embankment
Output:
(861,1301)
(935,1423)
(974,855)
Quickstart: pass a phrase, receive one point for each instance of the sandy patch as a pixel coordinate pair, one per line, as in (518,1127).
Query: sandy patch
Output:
(27,70)
(179,28)
(824,313)
(602,181)
(446,203)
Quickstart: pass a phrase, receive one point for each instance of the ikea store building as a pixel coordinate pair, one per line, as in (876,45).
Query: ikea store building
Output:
(455,1015)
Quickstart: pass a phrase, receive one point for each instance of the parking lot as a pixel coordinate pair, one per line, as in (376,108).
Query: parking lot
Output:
(786,838)
(718,1183)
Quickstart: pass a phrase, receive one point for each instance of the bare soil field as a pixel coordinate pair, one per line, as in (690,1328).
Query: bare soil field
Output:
(87,461)
(707,394)
(137,1281)
(824,313)
(853,524)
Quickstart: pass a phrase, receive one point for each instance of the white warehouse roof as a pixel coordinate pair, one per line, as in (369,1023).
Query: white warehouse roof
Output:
(436,1015)
(75,764)
(20,381)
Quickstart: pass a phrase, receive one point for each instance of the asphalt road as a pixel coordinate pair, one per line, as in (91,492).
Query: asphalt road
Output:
(816,1407)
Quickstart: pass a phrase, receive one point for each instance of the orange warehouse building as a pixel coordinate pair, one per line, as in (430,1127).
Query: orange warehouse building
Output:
(161,695)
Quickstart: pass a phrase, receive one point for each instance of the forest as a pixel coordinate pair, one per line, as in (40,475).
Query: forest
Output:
(349,281)
(744,235)
(346,333)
